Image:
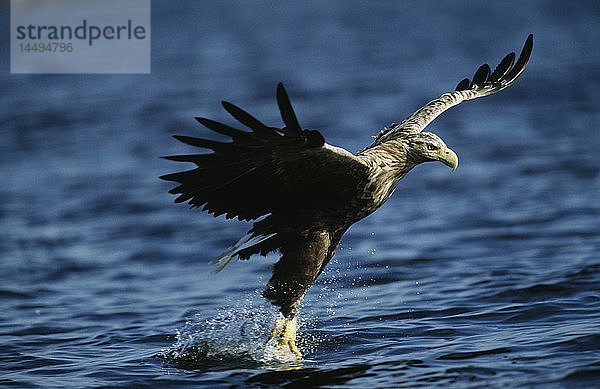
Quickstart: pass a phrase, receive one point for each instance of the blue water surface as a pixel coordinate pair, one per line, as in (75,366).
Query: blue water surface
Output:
(485,277)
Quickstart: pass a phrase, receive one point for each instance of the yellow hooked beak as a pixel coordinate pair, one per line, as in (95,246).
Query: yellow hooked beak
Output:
(449,158)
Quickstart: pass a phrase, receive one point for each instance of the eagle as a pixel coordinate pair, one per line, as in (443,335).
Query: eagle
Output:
(302,193)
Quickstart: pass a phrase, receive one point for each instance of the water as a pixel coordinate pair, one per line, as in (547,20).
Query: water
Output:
(487,276)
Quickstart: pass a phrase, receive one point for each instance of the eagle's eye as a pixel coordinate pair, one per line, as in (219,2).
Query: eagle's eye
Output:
(432,147)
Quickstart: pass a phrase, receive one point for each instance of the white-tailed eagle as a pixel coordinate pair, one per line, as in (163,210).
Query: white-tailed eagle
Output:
(306,193)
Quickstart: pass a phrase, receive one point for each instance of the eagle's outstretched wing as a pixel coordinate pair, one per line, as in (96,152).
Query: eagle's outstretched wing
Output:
(484,83)
(267,171)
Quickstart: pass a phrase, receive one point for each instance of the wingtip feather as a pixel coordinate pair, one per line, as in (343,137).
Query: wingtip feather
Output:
(463,85)
(481,75)
(503,67)
(244,117)
(287,112)
(522,61)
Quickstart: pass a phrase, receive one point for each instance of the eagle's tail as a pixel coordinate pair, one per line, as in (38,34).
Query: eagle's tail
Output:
(245,243)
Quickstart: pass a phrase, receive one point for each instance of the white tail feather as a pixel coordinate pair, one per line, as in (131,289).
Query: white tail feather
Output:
(242,244)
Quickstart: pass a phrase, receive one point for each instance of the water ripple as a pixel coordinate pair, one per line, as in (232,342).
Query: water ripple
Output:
(484,277)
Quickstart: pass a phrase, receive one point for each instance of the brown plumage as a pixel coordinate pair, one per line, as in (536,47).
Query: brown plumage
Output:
(306,192)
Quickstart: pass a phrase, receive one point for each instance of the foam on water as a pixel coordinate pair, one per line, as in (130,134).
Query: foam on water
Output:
(238,335)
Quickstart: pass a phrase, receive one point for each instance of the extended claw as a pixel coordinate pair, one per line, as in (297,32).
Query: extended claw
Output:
(285,334)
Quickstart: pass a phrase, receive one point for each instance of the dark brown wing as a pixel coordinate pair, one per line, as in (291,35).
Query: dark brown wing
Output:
(267,170)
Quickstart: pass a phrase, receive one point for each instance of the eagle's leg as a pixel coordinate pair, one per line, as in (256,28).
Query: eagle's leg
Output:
(285,329)
(303,259)
(285,335)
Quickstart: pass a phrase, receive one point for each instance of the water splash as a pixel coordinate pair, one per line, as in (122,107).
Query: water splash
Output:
(238,336)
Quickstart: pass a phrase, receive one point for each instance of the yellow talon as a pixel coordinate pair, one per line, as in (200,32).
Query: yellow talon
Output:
(285,333)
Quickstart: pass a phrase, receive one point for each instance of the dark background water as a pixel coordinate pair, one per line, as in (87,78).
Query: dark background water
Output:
(487,276)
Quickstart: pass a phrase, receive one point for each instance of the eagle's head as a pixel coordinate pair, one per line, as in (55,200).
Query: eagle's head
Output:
(427,147)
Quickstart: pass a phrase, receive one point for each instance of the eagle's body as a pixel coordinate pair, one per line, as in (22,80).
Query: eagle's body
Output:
(306,193)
